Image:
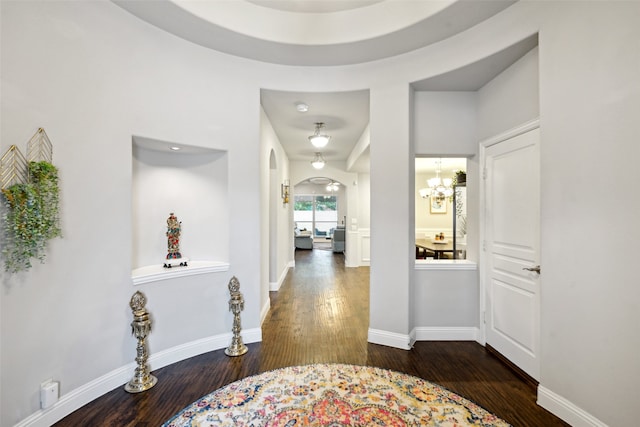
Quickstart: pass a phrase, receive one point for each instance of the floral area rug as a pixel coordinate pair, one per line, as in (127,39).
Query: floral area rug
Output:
(333,395)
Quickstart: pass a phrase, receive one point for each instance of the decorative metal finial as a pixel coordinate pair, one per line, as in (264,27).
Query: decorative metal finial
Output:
(140,327)
(236,305)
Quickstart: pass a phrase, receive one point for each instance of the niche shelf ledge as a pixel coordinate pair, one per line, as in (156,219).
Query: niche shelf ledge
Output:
(155,273)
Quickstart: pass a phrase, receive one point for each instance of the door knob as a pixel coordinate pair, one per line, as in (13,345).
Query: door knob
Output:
(536,269)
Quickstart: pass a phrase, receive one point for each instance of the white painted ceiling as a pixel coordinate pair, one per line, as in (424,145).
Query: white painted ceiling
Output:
(314,32)
(314,6)
(294,32)
(345,116)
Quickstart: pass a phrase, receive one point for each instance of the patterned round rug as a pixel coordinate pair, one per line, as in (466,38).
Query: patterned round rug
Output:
(333,395)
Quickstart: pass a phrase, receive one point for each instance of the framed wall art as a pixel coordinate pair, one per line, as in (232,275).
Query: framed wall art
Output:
(438,205)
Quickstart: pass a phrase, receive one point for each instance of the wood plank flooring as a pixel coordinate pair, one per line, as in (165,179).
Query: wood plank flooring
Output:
(321,315)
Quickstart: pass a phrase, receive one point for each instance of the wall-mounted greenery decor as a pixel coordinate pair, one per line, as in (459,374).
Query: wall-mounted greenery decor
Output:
(31,214)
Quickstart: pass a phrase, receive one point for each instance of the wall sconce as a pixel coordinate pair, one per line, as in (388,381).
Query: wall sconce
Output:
(284,191)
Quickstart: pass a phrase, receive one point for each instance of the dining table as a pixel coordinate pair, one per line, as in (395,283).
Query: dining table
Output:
(438,247)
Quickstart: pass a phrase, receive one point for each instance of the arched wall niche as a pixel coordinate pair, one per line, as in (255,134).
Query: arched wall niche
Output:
(190,182)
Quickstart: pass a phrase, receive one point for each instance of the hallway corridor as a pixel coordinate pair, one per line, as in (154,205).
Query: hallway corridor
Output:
(320,313)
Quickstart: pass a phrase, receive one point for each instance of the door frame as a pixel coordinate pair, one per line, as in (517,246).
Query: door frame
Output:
(482,268)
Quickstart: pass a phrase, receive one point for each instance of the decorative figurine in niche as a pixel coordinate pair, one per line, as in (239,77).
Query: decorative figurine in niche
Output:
(174,257)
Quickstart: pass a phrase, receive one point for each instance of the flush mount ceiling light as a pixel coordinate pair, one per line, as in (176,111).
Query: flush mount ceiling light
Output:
(302,107)
(175,148)
(318,161)
(317,139)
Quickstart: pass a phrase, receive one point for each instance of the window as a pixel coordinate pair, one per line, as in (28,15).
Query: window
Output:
(441,216)
(316,213)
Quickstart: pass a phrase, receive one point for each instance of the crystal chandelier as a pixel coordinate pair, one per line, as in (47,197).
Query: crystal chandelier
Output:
(317,139)
(438,188)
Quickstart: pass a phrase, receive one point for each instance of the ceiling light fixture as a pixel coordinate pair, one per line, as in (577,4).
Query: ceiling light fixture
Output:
(439,188)
(302,107)
(175,148)
(318,161)
(317,139)
(333,186)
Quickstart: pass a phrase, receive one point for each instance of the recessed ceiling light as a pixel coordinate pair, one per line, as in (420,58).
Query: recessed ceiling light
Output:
(302,107)
(175,148)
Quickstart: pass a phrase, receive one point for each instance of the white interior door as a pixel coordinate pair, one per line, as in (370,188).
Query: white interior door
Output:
(512,245)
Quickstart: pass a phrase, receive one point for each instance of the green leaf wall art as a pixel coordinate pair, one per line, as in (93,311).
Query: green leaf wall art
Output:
(31,215)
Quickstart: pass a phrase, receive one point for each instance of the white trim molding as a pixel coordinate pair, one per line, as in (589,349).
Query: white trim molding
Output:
(513,132)
(566,410)
(446,333)
(390,339)
(265,310)
(75,399)
(358,253)
(275,286)
(445,264)
(156,273)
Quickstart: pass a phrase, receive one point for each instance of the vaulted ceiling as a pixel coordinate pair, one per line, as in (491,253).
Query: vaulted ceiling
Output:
(328,33)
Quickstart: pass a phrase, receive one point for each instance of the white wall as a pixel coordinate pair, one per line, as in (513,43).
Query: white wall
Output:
(278,250)
(99,87)
(445,303)
(510,99)
(364,198)
(445,123)
(65,69)
(392,210)
(589,109)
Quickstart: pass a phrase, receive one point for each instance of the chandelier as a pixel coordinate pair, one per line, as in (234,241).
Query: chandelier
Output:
(318,161)
(438,188)
(317,139)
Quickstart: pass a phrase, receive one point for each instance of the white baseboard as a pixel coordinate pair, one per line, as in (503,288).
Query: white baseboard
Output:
(390,339)
(565,410)
(275,286)
(265,310)
(465,333)
(75,399)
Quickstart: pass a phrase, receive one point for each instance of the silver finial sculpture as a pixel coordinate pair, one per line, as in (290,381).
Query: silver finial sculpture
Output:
(140,327)
(236,305)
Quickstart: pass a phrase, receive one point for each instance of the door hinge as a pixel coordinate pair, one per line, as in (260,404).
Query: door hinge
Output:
(484,317)
(484,246)
(484,173)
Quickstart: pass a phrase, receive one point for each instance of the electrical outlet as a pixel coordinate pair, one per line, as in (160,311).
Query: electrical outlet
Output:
(49,393)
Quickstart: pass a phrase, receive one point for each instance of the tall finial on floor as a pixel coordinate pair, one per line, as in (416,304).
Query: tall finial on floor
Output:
(140,327)
(236,305)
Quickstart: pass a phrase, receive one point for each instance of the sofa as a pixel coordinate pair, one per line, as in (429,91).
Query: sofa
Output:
(337,242)
(303,239)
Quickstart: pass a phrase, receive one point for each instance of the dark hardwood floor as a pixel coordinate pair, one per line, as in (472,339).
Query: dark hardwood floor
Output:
(321,314)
